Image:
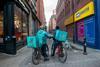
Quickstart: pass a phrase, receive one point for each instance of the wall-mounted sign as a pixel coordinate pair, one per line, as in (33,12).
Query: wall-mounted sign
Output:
(69,20)
(84,12)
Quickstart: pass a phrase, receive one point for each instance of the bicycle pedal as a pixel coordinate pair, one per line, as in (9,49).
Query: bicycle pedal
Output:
(41,61)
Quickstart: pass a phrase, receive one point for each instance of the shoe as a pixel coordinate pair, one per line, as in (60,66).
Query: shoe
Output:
(46,59)
(52,55)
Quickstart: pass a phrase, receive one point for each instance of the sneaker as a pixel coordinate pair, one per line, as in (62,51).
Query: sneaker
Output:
(46,59)
(52,55)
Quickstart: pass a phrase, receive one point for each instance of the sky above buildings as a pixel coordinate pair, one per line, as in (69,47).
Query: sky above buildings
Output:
(49,6)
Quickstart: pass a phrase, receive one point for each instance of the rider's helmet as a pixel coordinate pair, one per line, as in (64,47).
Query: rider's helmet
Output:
(57,27)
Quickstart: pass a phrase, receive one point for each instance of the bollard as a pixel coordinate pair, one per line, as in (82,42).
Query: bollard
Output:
(84,46)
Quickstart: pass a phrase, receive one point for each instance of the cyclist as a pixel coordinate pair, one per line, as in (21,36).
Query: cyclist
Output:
(56,42)
(42,37)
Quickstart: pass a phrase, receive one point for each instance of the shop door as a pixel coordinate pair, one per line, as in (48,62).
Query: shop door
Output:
(70,31)
(80,31)
(90,31)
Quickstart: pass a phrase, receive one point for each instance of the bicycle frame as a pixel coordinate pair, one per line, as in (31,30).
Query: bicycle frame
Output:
(62,56)
(59,49)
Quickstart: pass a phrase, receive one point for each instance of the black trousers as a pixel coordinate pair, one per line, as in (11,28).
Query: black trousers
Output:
(55,44)
(43,49)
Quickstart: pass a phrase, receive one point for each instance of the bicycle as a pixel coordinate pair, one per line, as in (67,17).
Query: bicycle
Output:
(37,55)
(60,52)
(68,44)
(32,42)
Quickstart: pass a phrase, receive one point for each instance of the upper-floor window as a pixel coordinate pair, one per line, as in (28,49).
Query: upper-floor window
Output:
(78,1)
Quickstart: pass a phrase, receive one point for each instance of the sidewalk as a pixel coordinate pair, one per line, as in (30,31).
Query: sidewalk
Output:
(80,47)
(15,60)
(75,59)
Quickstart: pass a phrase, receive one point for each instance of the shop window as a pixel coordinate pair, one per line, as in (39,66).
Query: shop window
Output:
(80,31)
(20,22)
(25,26)
(1,26)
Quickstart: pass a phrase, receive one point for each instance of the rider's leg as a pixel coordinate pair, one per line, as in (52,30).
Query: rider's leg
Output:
(55,46)
(44,52)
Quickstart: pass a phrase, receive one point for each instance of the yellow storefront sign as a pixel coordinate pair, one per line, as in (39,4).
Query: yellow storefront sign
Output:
(84,12)
(69,20)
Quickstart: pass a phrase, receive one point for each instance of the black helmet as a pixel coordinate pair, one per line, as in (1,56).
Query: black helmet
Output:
(57,27)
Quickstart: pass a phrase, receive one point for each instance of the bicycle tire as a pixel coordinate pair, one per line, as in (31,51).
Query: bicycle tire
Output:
(52,48)
(47,50)
(35,57)
(63,59)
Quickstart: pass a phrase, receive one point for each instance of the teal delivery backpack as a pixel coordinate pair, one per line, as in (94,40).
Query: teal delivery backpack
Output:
(31,42)
(61,35)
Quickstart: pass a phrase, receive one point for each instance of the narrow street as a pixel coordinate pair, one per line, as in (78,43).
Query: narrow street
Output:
(75,59)
(28,23)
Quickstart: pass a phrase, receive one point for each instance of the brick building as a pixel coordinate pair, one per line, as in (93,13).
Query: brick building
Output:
(40,11)
(60,13)
(81,20)
(52,22)
(17,21)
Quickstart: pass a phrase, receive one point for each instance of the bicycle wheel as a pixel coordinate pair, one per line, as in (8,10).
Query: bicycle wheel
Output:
(62,54)
(36,57)
(52,48)
(47,50)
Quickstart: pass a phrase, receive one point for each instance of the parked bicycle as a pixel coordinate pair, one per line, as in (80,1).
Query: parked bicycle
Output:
(67,43)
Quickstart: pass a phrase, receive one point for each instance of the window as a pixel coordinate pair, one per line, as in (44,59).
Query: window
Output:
(78,1)
(24,26)
(20,22)
(67,8)
(1,26)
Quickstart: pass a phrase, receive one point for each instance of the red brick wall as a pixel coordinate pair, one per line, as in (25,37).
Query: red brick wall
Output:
(70,31)
(68,8)
(80,3)
(40,11)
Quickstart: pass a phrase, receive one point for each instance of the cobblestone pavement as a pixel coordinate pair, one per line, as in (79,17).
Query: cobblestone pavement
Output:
(75,59)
